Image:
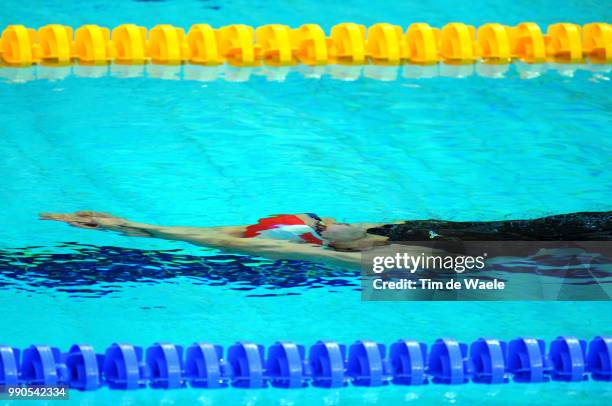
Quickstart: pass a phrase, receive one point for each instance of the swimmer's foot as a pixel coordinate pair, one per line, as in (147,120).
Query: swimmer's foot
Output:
(86,219)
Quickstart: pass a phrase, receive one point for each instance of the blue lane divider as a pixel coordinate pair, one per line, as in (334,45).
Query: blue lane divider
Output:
(165,366)
(84,367)
(327,361)
(205,366)
(43,365)
(247,365)
(9,365)
(327,364)
(599,359)
(286,366)
(124,368)
(367,365)
(448,362)
(408,362)
(488,357)
(527,360)
(568,356)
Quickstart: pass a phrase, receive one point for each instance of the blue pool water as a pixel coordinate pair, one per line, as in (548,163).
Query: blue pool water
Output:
(224,153)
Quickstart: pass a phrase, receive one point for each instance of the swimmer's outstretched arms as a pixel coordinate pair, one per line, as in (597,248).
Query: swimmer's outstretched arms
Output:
(312,238)
(290,237)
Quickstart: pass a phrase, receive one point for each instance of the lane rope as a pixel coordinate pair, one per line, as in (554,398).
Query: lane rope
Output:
(281,45)
(328,364)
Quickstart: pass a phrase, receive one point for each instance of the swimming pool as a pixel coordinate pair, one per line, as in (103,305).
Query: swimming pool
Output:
(217,153)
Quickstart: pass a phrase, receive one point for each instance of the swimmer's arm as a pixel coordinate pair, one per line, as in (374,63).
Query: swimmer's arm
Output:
(229,239)
(107,222)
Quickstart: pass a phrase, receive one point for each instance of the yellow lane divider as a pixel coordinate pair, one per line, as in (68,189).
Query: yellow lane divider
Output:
(281,45)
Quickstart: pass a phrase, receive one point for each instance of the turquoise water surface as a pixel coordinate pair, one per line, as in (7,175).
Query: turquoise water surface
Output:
(226,153)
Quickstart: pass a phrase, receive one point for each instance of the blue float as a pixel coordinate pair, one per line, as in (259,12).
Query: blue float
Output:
(84,367)
(599,359)
(42,365)
(205,367)
(165,366)
(286,366)
(123,367)
(527,360)
(567,356)
(9,365)
(367,365)
(489,361)
(328,365)
(247,364)
(408,361)
(448,362)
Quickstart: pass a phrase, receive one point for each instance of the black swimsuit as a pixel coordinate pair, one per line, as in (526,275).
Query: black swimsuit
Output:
(584,226)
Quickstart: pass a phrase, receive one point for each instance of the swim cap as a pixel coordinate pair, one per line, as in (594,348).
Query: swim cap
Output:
(283,227)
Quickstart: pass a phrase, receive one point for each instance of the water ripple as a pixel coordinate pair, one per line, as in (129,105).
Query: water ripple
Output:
(82,270)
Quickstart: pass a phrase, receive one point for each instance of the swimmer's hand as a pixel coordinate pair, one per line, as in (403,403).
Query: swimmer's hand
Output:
(88,219)
(95,220)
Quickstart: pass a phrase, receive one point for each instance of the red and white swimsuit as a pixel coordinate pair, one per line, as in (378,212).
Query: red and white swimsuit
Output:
(283,227)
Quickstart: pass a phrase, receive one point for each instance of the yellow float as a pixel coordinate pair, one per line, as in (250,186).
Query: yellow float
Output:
(129,44)
(237,45)
(385,43)
(422,44)
(55,43)
(310,44)
(92,45)
(597,41)
(18,46)
(527,43)
(275,43)
(493,42)
(457,42)
(202,45)
(167,45)
(348,43)
(564,42)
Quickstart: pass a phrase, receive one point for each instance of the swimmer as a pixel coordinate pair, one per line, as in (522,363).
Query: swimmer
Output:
(312,238)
